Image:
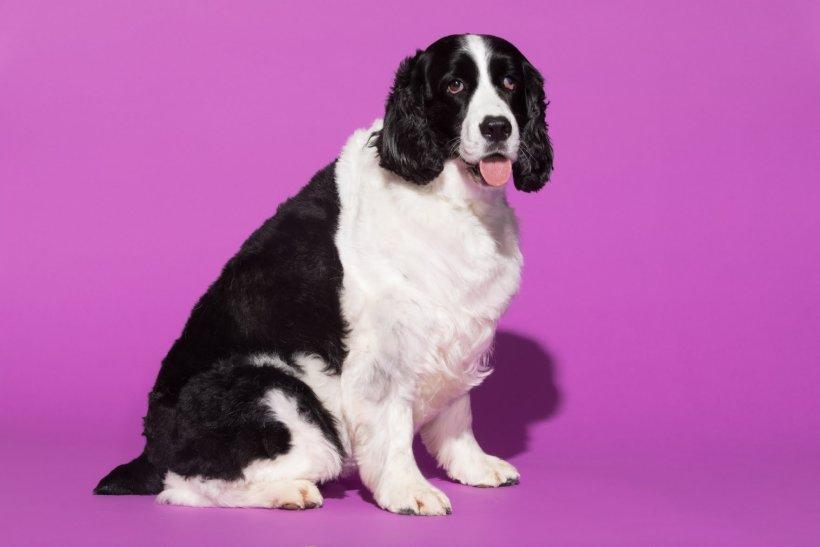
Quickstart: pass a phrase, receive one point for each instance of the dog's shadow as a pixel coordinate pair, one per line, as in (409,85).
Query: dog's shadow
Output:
(519,393)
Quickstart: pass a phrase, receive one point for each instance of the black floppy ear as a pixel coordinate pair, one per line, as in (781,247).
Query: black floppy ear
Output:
(406,144)
(532,169)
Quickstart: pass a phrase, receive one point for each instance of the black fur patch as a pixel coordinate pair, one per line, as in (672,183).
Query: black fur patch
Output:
(222,423)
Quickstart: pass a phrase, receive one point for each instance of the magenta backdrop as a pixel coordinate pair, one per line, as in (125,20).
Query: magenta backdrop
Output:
(657,376)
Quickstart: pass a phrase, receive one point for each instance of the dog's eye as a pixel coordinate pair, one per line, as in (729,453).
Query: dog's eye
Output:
(455,87)
(509,83)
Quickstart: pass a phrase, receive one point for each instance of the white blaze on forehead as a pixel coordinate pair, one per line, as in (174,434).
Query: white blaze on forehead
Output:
(478,50)
(485,101)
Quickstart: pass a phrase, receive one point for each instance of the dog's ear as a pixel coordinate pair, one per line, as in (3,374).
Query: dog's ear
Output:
(406,144)
(532,169)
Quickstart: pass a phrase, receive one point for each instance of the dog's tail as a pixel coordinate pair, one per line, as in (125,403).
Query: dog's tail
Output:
(139,476)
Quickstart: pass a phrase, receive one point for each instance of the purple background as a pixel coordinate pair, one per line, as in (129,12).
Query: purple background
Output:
(657,376)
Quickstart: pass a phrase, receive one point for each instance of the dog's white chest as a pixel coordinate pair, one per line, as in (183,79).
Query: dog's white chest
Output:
(456,293)
(428,271)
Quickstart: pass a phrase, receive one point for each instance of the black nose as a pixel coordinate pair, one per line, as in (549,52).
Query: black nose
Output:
(495,128)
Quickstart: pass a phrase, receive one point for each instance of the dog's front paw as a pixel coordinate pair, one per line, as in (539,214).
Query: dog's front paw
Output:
(484,471)
(413,497)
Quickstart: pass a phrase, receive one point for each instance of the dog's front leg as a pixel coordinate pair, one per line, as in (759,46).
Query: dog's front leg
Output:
(449,438)
(382,434)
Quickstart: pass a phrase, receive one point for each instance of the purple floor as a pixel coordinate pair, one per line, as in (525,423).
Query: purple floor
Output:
(569,495)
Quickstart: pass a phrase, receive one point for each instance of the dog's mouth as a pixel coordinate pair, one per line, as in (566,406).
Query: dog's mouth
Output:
(492,170)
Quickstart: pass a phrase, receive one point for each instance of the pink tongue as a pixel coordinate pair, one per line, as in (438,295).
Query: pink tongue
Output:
(496,170)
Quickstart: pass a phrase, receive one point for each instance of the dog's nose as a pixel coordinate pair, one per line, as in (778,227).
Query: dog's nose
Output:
(495,128)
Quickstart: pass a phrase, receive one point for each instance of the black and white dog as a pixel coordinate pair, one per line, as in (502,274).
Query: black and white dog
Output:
(364,310)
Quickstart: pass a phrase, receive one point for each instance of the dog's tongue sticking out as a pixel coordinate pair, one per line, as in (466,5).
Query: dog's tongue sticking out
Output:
(496,170)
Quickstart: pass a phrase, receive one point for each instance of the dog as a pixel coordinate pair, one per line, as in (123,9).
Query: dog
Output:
(364,310)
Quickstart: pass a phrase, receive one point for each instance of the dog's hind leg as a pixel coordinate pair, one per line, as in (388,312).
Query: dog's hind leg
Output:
(291,436)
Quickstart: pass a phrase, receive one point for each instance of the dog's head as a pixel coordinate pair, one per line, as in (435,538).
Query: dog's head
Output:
(470,97)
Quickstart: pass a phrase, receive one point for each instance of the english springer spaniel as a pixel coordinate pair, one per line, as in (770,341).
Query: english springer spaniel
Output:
(363,311)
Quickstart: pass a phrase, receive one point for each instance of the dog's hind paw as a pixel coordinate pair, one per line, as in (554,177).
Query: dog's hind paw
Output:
(295,495)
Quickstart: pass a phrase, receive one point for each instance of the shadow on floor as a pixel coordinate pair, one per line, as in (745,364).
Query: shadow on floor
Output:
(518,394)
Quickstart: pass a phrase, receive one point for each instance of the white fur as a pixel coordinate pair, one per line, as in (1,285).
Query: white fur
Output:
(313,371)
(199,492)
(311,456)
(271,360)
(428,271)
(484,102)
